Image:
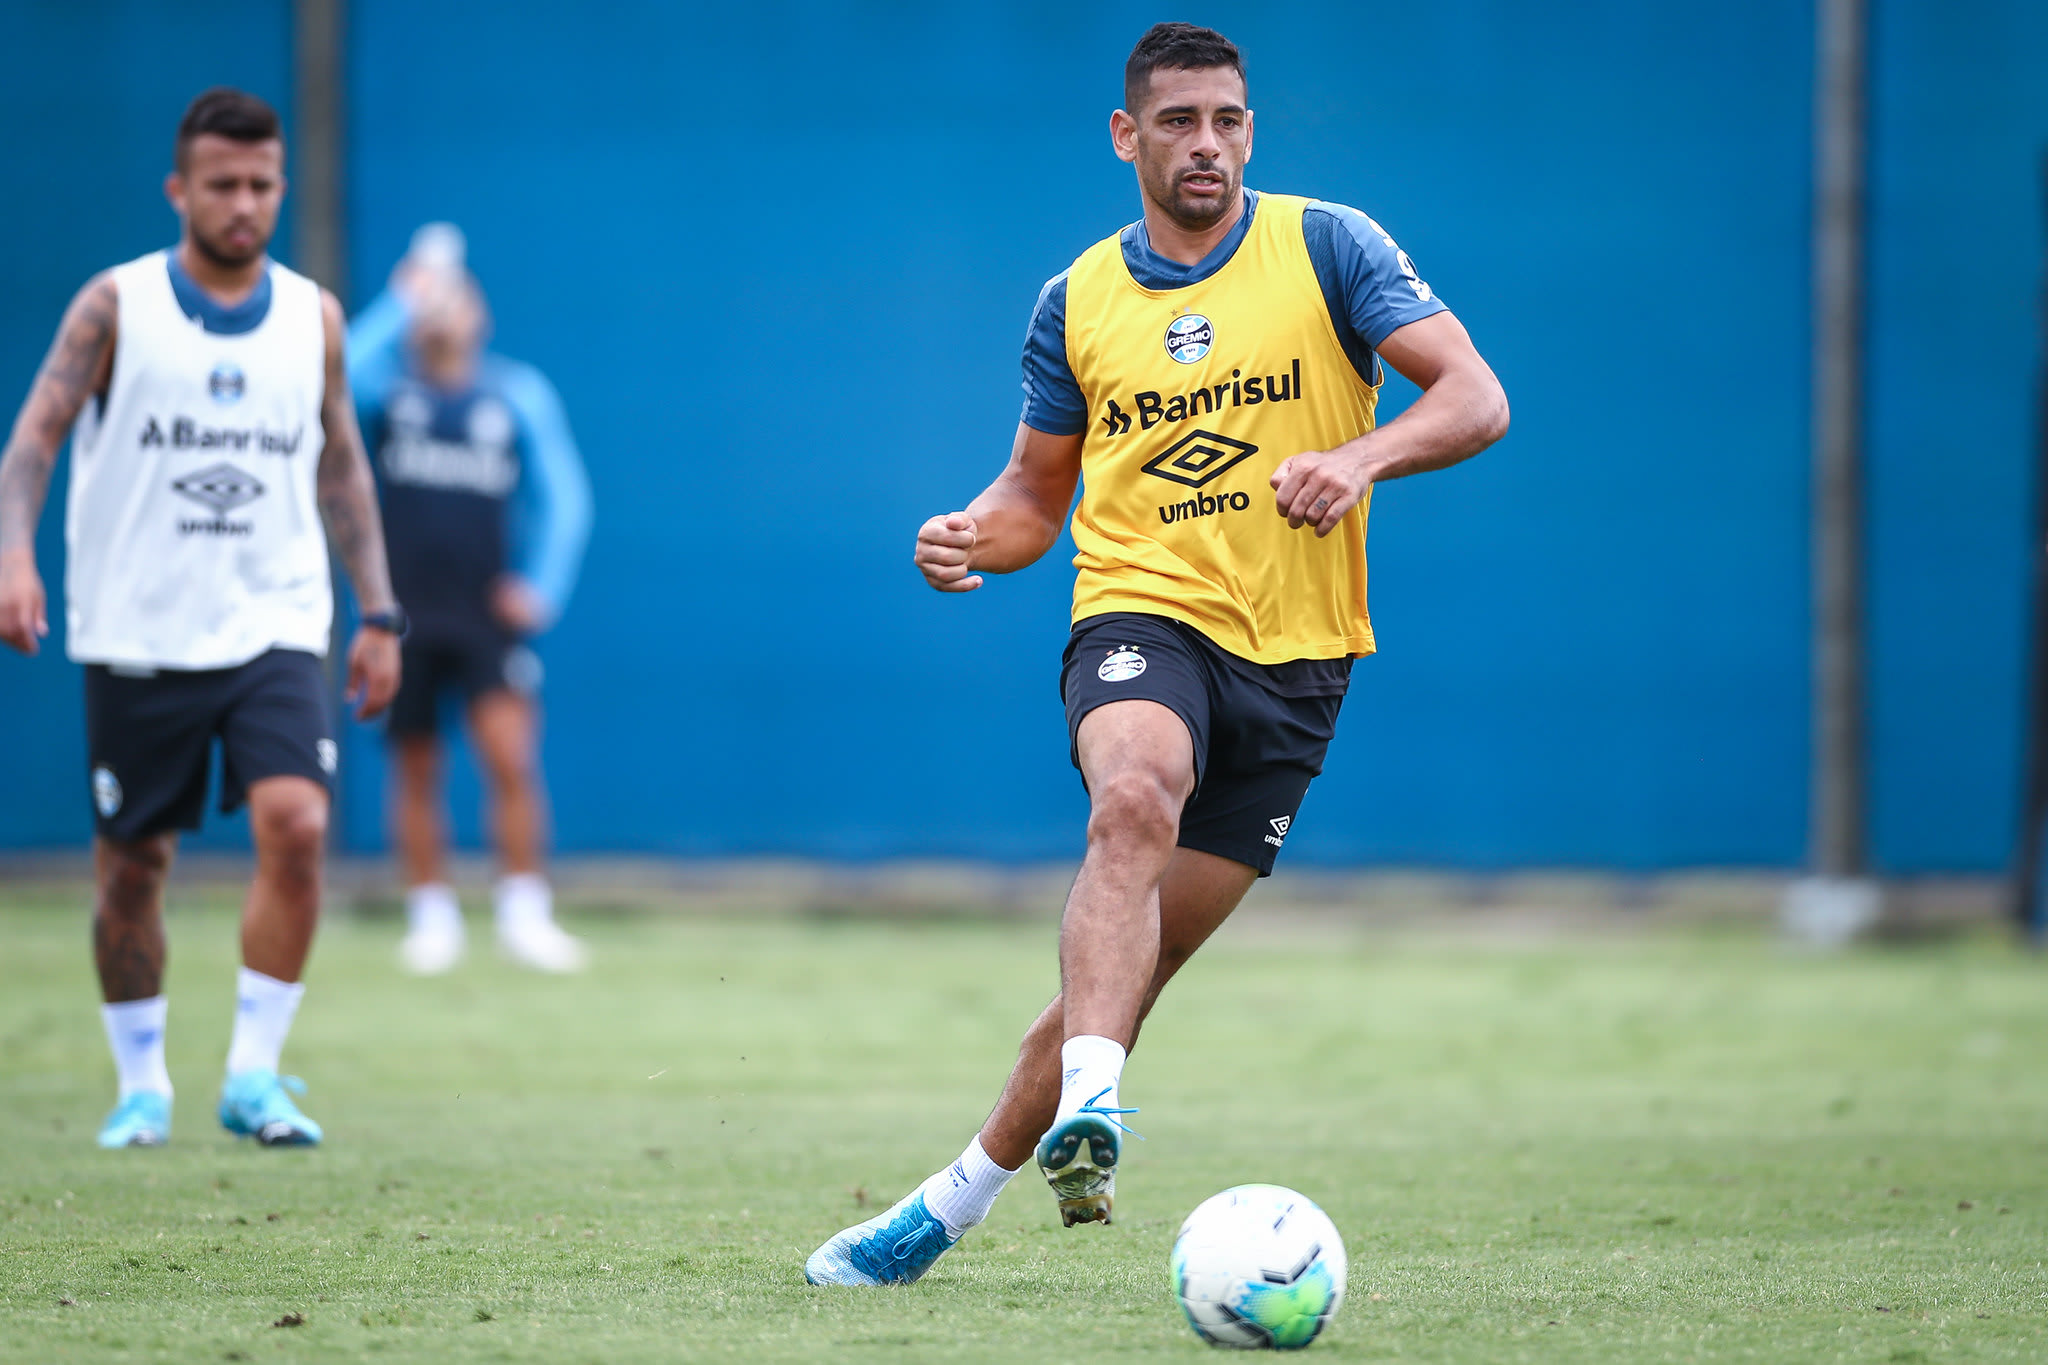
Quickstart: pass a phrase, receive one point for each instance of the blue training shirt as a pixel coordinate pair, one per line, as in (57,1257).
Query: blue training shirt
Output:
(1369,285)
(472,484)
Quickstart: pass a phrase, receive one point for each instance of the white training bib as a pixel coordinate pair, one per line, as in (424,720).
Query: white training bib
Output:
(193,527)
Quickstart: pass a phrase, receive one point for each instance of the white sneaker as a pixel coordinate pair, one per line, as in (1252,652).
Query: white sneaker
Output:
(542,945)
(431,950)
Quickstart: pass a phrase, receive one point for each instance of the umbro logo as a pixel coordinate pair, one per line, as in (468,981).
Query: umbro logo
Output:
(1280,825)
(1199,457)
(221,488)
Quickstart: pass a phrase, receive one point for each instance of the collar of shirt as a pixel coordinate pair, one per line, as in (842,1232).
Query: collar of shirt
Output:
(1155,271)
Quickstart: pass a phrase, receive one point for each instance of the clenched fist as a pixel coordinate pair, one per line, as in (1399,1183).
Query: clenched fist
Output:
(943,547)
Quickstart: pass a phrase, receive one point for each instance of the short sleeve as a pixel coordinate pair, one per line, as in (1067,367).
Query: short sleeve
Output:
(1366,277)
(1052,396)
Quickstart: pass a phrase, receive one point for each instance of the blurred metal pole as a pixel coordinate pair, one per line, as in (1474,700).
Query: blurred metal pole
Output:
(2029,907)
(1838,852)
(320,230)
(1838,776)
(319,120)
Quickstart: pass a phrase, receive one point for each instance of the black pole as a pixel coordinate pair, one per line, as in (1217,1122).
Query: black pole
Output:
(2029,906)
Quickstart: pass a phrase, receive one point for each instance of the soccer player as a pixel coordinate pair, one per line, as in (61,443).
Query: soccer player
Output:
(214,435)
(487,510)
(1208,376)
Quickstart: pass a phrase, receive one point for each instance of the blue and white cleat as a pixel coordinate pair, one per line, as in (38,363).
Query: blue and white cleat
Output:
(891,1248)
(142,1119)
(254,1104)
(1078,1157)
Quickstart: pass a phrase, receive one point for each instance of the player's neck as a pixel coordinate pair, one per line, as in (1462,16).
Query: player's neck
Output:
(1177,243)
(450,372)
(227,285)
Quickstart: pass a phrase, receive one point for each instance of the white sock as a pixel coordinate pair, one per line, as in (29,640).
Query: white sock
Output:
(135,1031)
(523,899)
(1089,1066)
(431,908)
(264,1007)
(961,1195)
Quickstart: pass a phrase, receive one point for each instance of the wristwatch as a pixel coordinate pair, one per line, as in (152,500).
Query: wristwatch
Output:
(392,622)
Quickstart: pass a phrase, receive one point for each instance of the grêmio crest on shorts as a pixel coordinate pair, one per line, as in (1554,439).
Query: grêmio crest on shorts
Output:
(1195,396)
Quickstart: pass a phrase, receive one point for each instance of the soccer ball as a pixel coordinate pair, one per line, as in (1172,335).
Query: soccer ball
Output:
(1258,1267)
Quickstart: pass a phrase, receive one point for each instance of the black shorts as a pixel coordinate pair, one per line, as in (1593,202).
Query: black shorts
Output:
(150,738)
(467,664)
(1260,730)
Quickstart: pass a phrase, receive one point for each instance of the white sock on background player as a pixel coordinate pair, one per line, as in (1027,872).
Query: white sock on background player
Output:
(135,1032)
(264,1007)
(523,900)
(1091,1067)
(527,932)
(433,929)
(431,908)
(961,1195)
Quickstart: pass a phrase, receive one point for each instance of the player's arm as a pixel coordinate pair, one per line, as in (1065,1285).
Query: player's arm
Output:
(1461,412)
(79,365)
(1014,521)
(355,529)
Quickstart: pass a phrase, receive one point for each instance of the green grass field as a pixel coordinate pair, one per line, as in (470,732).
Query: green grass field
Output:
(1683,1147)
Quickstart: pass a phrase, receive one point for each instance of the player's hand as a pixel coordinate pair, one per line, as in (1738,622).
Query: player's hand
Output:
(943,546)
(517,607)
(1317,487)
(24,618)
(372,671)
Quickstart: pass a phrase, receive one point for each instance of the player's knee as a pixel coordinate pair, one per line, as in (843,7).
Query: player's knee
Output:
(1133,806)
(132,876)
(293,831)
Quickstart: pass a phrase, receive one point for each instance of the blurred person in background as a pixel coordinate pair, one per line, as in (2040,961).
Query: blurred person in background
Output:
(214,436)
(488,510)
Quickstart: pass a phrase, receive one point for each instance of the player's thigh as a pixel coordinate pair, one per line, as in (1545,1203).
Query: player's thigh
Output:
(416,759)
(1138,701)
(278,724)
(148,743)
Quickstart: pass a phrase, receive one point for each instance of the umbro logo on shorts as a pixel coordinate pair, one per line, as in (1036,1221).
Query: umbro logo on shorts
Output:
(1279,834)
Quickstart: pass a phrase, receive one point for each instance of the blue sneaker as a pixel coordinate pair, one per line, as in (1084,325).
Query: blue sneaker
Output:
(254,1104)
(142,1119)
(891,1248)
(1078,1157)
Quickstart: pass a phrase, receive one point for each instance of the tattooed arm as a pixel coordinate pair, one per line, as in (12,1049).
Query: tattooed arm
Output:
(79,365)
(355,530)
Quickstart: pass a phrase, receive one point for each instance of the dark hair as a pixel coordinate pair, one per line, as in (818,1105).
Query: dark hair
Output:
(225,112)
(1184,47)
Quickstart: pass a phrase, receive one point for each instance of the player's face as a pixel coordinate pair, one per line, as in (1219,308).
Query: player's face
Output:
(1190,143)
(228,193)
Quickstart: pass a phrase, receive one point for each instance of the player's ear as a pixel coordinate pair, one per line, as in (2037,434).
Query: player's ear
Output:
(1123,135)
(174,190)
(1247,135)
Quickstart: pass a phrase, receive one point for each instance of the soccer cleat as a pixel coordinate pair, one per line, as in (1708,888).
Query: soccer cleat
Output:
(541,945)
(142,1119)
(891,1248)
(431,950)
(254,1104)
(1078,1156)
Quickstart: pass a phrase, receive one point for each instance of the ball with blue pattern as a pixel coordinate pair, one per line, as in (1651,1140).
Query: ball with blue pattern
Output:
(1258,1267)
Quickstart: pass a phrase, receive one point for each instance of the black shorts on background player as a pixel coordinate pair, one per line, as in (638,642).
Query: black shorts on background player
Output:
(149,737)
(466,663)
(1260,730)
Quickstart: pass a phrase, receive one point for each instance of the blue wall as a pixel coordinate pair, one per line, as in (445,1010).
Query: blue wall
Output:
(779,263)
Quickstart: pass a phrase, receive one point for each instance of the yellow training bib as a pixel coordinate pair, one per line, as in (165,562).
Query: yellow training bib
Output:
(1195,396)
